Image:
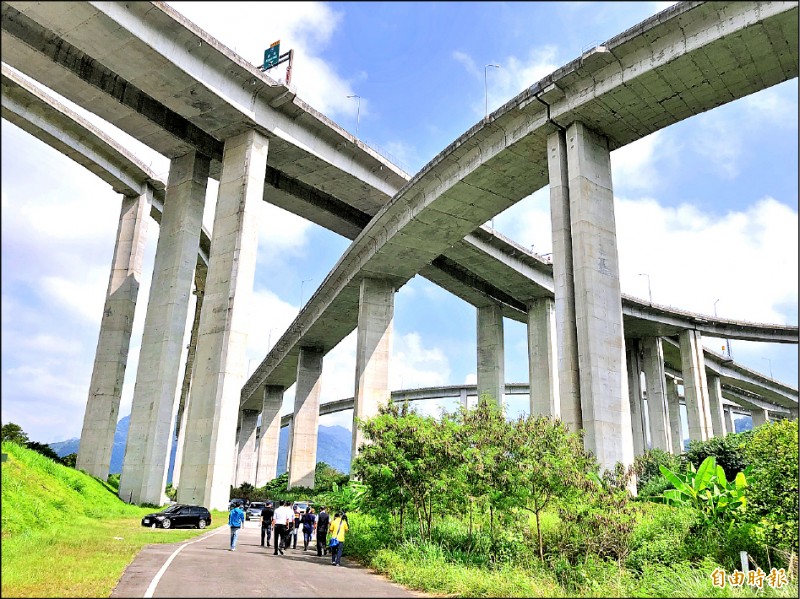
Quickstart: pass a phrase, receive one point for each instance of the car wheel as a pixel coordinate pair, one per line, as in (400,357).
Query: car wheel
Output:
(201,523)
(166,523)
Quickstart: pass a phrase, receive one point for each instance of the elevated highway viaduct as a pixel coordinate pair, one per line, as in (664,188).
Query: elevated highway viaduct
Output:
(686,60)
(30,108)
(158,100)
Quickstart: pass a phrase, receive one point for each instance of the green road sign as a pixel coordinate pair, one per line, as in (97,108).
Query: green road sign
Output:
(271,55)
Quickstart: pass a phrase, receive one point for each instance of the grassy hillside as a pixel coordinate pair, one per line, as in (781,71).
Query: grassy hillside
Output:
(67,534)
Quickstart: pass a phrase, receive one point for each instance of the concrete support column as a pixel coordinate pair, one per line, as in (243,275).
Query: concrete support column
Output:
(305,424)
(729,421)
(653,363)
(598,300)
(221,366)
(491,360)
(111,356)
(759,416)
(247,456)
(200,274)
(674,409)
(634,368)
(373,352)
(563,283)
(695,386)
(144,470)
(270,435)
(463,399)
(543,359)
(715,405)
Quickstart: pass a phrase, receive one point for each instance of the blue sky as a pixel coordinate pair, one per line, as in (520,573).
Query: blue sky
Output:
(706,208)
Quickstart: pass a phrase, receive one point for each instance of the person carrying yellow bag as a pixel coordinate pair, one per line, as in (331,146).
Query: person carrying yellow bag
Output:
(338,529)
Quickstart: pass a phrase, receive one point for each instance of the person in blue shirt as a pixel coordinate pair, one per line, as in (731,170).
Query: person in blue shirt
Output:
(235,521)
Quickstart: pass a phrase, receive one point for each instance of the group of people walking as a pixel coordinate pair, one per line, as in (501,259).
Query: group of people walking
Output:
(283,524)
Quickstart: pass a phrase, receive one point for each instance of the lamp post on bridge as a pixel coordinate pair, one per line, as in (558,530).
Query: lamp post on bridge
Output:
(358,110)
(486,88)
(303,282)
(727,341)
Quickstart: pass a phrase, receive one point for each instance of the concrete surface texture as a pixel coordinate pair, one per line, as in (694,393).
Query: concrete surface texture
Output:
(303,437)
(204,567)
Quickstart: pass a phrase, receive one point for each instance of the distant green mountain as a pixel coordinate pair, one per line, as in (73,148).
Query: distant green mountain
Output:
(333,448)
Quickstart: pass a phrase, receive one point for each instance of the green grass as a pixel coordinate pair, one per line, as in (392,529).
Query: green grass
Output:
(445,567)
(67,534)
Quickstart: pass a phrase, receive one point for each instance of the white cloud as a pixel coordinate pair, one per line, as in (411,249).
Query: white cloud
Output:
(746,259)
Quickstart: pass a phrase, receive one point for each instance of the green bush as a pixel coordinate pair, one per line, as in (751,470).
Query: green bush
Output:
(646,465)
(660,534)
(654,489)
(729,452)
(773,492)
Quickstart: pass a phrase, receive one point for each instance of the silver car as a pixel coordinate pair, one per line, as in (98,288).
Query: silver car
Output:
(254,511)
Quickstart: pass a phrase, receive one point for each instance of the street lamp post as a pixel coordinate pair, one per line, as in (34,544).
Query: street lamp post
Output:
(727,341)
(358,110)
(649,290)
(486,86)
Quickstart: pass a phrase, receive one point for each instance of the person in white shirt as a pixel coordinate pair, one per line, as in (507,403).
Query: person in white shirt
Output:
(280,521)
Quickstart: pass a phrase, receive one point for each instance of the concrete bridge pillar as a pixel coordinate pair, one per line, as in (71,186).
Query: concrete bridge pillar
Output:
(303,438)
(715,405)
(759,416)
(695,386)
(653,362)
(111,356)
(543,358)
(267,468)
(246,454)
(491,356)
(146,461)
(729,421)
(200,273)
(674,410)
(373,352)
(220,366)
(633,359)
(605,407)
(462,398)
(563,283)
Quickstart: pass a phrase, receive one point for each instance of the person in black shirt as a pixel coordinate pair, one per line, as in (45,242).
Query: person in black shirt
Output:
(322,524)
(266,522)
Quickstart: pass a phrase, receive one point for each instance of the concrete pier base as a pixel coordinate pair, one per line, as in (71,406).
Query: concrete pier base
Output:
(153,410)
(759,417)
(221,366)
(267,467)
(543,359)
(695,386)
(653,363)
(491,357)
(373,352)
(634,368)
(111,356)
(303,445)
(730,422)
(715,405)
(246,455)
(674,410)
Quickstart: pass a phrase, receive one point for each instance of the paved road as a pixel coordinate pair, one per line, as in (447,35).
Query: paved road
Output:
(203,567)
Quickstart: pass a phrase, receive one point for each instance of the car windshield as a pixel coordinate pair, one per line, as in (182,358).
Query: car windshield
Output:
(173,508)
(257,505)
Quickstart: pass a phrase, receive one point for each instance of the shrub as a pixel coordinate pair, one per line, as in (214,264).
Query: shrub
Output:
(729,452)
(659,536)
(772,496)
(654,489)
(646,465)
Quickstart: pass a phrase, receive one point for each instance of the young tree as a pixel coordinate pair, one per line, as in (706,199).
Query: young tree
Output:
(550,462)
(406,459)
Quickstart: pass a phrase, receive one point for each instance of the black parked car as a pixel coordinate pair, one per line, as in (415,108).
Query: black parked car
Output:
(179,515)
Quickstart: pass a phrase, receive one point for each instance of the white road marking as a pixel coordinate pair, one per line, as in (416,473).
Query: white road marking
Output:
(154,583)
